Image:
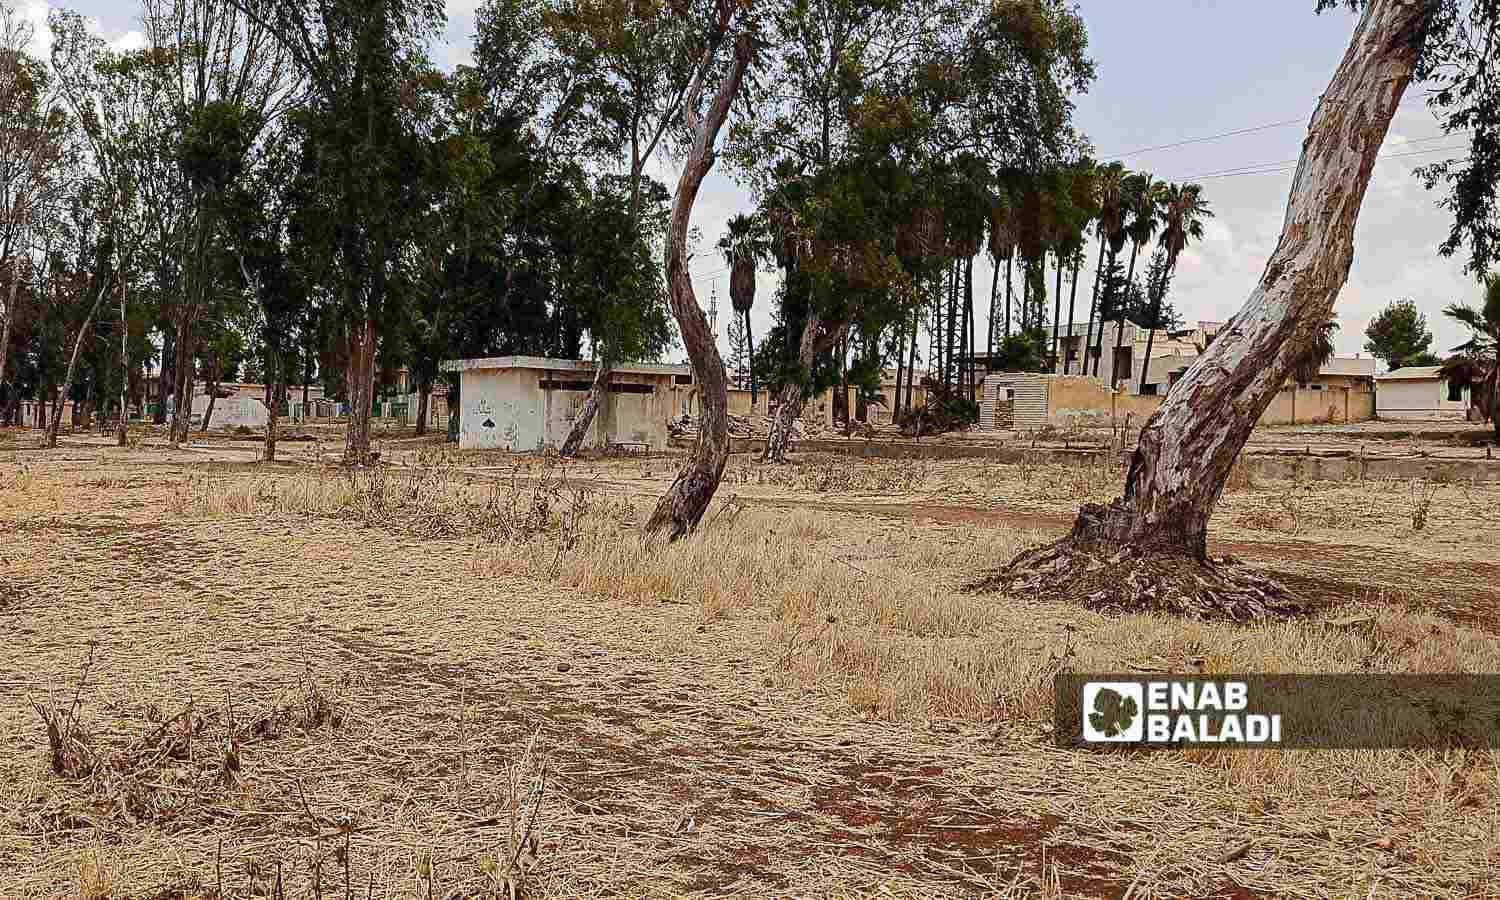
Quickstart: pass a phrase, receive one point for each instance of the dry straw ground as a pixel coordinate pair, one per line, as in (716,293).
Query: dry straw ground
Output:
(467,675)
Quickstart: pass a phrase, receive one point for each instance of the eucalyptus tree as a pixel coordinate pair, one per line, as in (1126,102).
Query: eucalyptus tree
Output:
(363,61)
(638,61)
(225,80)
(1183,213)
(681,508)
(1154,537)
(34,140)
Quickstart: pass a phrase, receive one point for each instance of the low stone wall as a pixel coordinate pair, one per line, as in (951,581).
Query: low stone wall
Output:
(1337,465)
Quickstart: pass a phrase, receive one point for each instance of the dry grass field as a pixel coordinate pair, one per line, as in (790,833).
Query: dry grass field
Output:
(464,675)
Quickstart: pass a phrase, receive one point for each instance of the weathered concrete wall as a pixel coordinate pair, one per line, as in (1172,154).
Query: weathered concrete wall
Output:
(239,411)
(1336,406)
(507,409)
(1074,401)
(1419,399)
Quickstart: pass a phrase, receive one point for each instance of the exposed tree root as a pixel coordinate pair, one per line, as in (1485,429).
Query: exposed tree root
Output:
(1096,571)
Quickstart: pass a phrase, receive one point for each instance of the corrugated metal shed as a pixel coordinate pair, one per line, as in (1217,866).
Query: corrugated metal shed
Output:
(1019,396)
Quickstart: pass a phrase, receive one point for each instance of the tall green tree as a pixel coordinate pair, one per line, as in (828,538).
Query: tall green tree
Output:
(1399,336)
(363,62)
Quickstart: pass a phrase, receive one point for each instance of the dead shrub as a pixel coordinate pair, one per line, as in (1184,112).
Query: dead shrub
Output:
(1419,503)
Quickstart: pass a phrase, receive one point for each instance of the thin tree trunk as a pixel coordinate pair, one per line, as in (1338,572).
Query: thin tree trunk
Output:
(590,408)
(211,384)
(681,508)
(121,426)
(1151,334)
(67,383)
(793,394)
(895,402)
(5,320)
(750,360)
(1188,447)
(1072,301)
(163,379)
(911,364)
(969,323)
(1088,338)
(276,373)
(989,339)
(359,381)
(1007,293)
(424,394)
(1056,308)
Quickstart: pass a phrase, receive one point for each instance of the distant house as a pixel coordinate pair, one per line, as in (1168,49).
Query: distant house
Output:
(530,402)
(1419,392)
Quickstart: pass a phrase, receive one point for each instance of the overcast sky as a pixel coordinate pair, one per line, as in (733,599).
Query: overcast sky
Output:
(1171,71)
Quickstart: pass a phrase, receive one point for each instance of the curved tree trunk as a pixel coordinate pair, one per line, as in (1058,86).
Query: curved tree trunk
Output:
(590,408)
(682,506)
(793,394)
(67,382)
(1155,537)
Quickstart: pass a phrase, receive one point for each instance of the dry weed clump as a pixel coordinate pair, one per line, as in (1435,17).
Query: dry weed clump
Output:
(182,763)
(436,501)
(837,475)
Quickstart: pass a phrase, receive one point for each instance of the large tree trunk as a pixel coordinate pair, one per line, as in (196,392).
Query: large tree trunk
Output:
(424,399)
(793,394)
(359,381)
(67,382)
(1149,549)
(590,408)
(122,425)
(682,506)
(274,378)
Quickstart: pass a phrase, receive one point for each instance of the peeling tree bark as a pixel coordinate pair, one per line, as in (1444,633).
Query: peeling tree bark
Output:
(1188,447)
(682,506)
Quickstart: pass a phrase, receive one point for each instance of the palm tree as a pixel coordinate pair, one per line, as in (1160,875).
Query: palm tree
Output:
(1478,364)
(744,244)
(1183,213)
(1143,200)
(1110,228)
(1311,360)
(1082,208)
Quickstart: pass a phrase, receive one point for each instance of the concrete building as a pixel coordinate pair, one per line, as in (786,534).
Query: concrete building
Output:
(1419,392)
(1123,352)
(530,402)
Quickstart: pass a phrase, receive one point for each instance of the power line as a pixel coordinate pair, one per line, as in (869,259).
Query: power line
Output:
(1201,140)
(1225,134)
(1277,168)
(1244,169)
